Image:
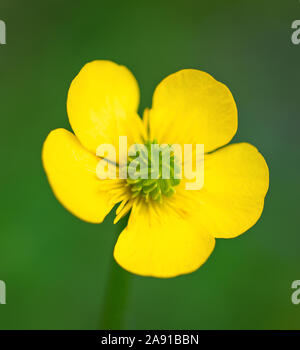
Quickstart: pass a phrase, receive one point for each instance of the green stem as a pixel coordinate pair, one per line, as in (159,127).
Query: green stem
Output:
(116,294)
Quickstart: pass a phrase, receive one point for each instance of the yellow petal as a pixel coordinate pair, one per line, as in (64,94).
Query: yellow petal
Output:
(102,105)
(158,242)
(236,180)
(190,106)
(71,171)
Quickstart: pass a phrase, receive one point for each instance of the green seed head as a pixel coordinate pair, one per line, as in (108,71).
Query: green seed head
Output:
(153,171)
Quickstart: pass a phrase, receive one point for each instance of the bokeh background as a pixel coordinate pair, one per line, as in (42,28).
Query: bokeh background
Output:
(55,266)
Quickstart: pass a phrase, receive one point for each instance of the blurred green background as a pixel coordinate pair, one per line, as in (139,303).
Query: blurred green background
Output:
(55,266)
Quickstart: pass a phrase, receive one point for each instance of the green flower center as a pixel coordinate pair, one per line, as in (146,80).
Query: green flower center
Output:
(153,171)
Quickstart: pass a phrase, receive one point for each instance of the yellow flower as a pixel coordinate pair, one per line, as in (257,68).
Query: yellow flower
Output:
(176,234)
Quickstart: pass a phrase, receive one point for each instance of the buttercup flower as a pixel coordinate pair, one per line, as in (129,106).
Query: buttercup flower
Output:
(171,230)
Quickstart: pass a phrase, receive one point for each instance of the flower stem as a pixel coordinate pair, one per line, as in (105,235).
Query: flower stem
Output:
(116,294)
